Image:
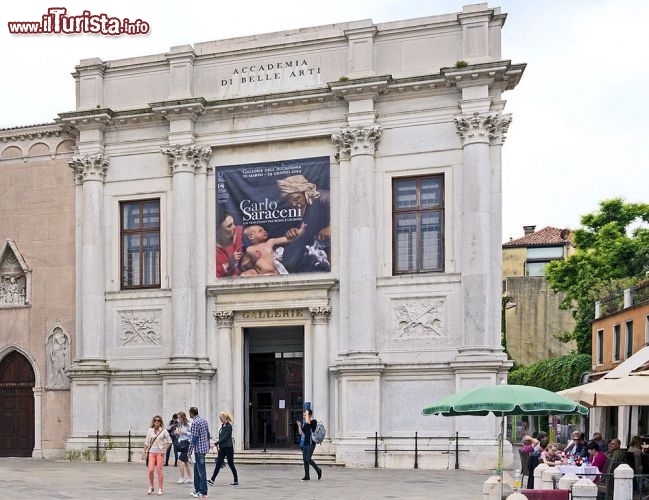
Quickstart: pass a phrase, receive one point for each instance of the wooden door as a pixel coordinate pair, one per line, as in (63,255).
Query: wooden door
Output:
(16,406)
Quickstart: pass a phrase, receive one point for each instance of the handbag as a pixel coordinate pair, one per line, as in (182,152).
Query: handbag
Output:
(182,446)
(146,453)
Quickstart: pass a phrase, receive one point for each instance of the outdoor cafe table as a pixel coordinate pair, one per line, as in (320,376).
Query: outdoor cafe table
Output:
(580,470)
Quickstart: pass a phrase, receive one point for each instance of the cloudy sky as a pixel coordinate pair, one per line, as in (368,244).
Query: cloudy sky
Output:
(580,128)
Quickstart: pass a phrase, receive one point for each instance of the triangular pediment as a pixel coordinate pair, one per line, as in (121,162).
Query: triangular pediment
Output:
(11,261)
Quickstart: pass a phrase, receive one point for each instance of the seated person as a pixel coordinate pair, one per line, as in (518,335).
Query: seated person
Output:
(261,257)
(540,437)
(576,446)
(597,458)
(614,454)
(635,447)
(528,444)
(552,455)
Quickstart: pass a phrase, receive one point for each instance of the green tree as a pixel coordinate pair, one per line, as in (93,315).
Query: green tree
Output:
(612,252)
(552,374)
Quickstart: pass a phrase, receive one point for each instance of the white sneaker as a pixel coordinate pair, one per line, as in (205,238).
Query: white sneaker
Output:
(160,491)
(180,481)
(195,495)
(188,480)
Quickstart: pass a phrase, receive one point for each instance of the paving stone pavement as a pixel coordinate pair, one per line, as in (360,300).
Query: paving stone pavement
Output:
(50,479)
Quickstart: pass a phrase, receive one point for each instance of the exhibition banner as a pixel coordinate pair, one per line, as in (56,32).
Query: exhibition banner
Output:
(273,218)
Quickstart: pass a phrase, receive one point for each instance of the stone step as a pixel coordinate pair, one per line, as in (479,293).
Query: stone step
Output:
(277,457)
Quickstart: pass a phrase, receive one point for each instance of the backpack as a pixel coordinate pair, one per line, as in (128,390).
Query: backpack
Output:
(319,434)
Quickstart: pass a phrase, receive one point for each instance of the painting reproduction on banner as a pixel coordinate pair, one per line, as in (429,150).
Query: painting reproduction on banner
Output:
(273,218)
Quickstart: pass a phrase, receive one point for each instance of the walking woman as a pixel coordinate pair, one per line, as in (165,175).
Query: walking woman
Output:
(182,438)
(155,445)
(225,448)
(306,427)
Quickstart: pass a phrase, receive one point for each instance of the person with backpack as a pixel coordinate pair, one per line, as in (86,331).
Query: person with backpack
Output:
(307,428)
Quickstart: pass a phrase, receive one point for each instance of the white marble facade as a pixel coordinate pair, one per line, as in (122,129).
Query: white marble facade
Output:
(382,101)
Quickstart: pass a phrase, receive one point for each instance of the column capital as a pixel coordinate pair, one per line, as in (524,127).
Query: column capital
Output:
(357,140)
(320,314)
(482,127)
(187,158)
(89,167)
(500,130)
(224,318)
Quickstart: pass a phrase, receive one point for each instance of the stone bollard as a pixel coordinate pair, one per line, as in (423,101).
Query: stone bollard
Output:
(516,496)
(547,478)
(566,482)
(538,476)
(584,489)
(490,484)
(623,486)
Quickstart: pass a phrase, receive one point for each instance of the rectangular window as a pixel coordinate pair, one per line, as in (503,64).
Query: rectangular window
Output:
(646,331)
(616,343)
(418,224)
(628,345)
(140,244)
(545,253)
(600,347)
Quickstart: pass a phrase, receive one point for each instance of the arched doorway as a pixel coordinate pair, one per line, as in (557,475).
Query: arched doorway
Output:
(17,381)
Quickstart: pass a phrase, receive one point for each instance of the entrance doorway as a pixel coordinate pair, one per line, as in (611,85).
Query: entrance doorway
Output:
(274,385)
(16,406)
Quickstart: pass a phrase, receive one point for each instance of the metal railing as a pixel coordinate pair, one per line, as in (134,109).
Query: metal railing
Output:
(111,443)
(415,449)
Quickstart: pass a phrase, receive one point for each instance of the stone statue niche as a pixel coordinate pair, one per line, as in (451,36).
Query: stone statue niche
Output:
(15,277)
(57,349)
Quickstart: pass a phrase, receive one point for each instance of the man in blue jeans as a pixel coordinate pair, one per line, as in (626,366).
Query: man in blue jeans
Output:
(200,445)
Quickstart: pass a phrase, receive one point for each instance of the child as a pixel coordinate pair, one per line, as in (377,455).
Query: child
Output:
(261,257)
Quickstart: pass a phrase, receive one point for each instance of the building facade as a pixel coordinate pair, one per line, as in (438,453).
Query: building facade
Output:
(311,216)
(532,317)
(620,336)
(37,276)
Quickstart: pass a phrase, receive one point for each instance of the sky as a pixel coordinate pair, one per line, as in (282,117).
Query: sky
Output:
(580,124)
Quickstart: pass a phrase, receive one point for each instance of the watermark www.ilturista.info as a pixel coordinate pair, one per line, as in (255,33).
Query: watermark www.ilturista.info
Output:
(56,21)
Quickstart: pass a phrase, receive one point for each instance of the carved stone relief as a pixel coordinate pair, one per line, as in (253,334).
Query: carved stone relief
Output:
(419,319)
(57,347)
(15,277)
(138,328)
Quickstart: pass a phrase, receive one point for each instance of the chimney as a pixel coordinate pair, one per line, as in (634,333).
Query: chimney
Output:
(528,229)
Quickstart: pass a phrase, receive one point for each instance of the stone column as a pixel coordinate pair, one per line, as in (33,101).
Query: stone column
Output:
(360,145)
(224,320)
(38,417)
(320,316)
(90,171)
(477,261)
(184,160)
(497,141)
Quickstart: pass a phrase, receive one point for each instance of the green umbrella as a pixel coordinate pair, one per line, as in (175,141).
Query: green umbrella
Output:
(503,400)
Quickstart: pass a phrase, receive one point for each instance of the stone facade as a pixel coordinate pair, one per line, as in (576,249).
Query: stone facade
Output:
(384,102)
(37,274)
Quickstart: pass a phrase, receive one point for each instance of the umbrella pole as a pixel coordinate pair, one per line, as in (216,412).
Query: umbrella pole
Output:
(501,440)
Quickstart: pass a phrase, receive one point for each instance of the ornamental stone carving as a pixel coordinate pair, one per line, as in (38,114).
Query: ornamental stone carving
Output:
(187,158)
(360,140)
(500,130)
(419,319)
(484,128)
(138,328)
(224,318)
(15,277)
(57,347)
(89,167)
(320,314)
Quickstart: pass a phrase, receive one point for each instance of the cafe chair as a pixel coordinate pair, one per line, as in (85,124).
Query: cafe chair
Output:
(525,465)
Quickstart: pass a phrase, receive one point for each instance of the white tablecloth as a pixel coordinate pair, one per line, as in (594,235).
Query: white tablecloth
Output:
(579,470)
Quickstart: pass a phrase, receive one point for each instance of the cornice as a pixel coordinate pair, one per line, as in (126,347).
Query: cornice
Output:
(362,88)
(270,285)
(182,107)
(32,132)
